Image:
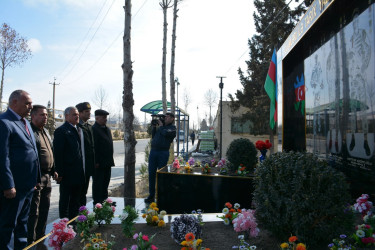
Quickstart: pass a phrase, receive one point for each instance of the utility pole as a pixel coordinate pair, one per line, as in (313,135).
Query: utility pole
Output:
(53,99)
(221,86)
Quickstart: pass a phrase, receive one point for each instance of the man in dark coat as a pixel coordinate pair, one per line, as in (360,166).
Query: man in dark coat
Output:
(19,170)
(36,225)
(103,156)
(84,109)
(69,163)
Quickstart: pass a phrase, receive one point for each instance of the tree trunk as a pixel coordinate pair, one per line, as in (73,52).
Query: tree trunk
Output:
(173,54)
(127,104)
(163,66)
(1,89)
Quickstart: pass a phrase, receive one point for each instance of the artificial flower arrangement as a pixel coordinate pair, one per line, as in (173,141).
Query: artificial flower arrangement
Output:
(184,224)
(128,217)
(222,165)
(263,145)
(230,212)
(241,171)
(190,243)
(199,216)
(246,222)
(340,243)
(104,212)
(206,169)
(243,244)
(85,221)
(364,236)
(153,218)
(197,164)
(176,164)
(187,168)
(292,244)
(191,161)
(363,205)
(143,242)
(60,234)
(95,241)
(213,163)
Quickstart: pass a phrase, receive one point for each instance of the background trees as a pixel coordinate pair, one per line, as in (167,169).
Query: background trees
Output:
(13,50)
(274,20)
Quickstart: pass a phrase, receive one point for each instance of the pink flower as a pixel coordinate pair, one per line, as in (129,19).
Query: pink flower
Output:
(154,247)
(98,205)
(113,208)
(109,200)
(145,237)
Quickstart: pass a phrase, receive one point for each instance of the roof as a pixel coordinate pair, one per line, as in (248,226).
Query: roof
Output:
(156,107)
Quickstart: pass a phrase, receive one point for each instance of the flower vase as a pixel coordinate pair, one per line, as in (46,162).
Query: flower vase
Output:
(263,153)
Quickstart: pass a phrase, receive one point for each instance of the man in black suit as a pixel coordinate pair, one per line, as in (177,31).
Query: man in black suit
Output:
(36,225)
(69,163)
(19,170)
(103,156)
(84,109)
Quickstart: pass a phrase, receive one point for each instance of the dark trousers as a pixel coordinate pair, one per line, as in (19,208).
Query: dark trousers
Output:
(13,219)
(156,160)
(83,198)
(36,225)
(100,184)
(69,200)
(192,141)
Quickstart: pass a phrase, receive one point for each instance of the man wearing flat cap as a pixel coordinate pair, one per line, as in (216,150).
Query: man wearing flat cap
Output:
(103,156)
(84,110)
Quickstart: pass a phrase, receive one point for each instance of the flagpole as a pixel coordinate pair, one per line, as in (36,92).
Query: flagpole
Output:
(221,86)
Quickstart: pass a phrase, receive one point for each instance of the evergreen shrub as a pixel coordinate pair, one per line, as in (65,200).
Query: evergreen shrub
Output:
(298,194)
(242,151)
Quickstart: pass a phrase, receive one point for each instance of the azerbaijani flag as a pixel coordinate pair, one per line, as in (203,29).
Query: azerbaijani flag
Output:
(271,89)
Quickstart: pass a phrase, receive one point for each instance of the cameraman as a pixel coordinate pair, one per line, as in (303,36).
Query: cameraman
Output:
(162,137)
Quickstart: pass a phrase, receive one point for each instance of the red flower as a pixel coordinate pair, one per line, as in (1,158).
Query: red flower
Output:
(228,205)
(261,145)
(293,238)
(189,237)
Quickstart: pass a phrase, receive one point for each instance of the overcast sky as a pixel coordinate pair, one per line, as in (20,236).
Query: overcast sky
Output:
(80,43)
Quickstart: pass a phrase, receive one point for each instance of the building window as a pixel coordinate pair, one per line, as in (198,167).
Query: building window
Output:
(240,125)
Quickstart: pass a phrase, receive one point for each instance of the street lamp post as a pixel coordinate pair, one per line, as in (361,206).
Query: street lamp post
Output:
(221,86)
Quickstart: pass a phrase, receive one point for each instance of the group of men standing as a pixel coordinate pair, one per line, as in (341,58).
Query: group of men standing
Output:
(29,158)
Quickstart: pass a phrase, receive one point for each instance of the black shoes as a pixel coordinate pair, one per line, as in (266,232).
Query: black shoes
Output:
(149,199)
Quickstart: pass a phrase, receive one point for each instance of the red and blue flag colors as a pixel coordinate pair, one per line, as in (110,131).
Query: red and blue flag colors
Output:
(271,89)
(299,91)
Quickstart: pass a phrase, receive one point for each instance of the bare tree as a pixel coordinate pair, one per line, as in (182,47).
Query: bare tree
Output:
(164,4)
(173,55)
(100,97)
(186,98)
(127,104)
(13,50)
(210,100)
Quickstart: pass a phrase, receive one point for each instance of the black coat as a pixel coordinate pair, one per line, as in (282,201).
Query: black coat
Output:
(103,146)
(68,156)
(88,136)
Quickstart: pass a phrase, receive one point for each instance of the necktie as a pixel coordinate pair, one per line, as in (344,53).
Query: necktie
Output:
(24,123)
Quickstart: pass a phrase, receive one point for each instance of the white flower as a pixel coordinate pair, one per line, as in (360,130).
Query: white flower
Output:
(360,233)
(253,247)
(124,216)
(237,206)
(241,237)
(163,212)
(96,246)
(225,210)
(226,221)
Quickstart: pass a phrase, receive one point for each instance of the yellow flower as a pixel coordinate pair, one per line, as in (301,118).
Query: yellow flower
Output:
(155,218)
(184,243)
(88,245)
(199,241)
(153,204)
(156,209)
(144,215)
(94,240)
(301,246)
(161,223)
(284,245)
(98,235)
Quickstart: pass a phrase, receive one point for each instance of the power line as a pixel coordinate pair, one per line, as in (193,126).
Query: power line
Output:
(84,38)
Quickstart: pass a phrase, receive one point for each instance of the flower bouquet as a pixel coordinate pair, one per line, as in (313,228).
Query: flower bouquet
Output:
(241,171)
(143,242)
(187,168)
(104,212)
(184,224)
(176,164)
(85,221)
(363,205)
(128,216)
(222,165)
(213,163)
(153,218)
(60,234)
(263,146)
(364,236)
(246,222)
(190,243)
(230,212)
(340,243)
(96,242)
(292,245)
(191,161)
(206,169)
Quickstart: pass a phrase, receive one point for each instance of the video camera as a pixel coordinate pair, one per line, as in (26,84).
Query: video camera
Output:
(156,118)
